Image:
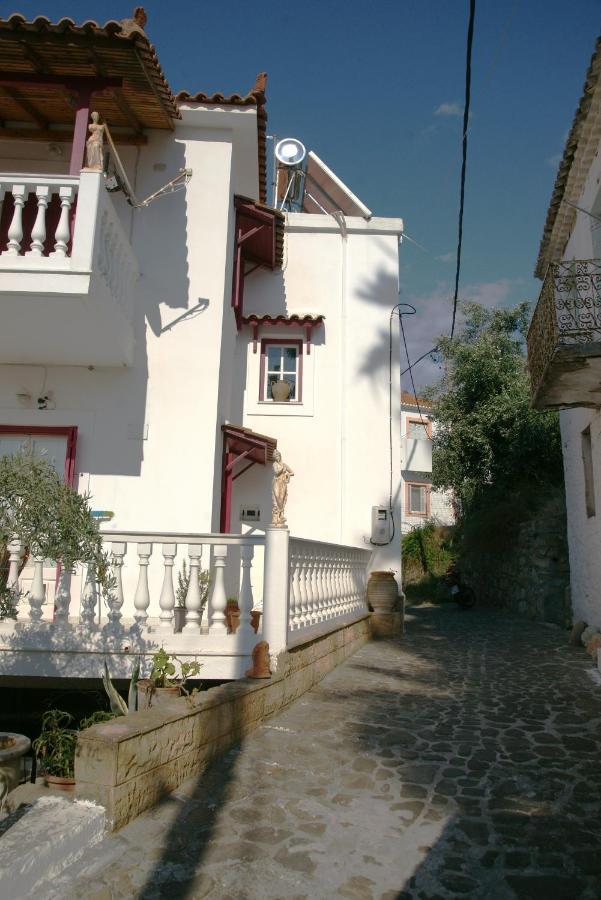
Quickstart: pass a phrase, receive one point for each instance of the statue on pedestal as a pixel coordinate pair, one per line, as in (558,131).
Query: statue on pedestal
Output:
(95,145)
(279,491)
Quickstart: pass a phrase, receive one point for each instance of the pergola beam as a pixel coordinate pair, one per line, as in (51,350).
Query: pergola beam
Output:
(25,105)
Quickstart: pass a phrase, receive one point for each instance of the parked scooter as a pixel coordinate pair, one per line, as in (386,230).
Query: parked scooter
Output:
(461,593)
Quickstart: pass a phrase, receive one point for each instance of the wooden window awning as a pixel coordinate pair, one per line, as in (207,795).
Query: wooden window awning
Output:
(259,243)
(240,445)
(307,323)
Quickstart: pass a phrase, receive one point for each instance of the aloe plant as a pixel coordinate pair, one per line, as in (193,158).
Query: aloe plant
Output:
(118,704)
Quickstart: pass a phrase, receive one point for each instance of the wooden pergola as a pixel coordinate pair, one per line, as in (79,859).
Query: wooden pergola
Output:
(52,73)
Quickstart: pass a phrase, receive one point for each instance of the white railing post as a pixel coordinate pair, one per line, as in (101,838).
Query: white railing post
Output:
(37,593)
(115,602)
(245,629)
(276,585)
(62,235)
(295,595)
(38,232)
(167,598)
(89,598)
(142,596)
(62,598)
(217,598)
(15,232)
(14,561)
(193,598)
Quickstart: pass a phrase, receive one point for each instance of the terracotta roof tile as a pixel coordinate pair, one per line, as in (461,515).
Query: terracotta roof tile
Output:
(556,232)
(410,400)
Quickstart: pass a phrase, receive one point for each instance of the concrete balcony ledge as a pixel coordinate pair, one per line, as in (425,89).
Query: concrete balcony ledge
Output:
(67,276)
(564,338)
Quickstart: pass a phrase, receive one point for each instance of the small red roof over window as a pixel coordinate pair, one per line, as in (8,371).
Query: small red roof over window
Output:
(257,447)
(265,227)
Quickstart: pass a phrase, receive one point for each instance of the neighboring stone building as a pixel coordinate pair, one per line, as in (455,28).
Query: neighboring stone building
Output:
(564,340)
(420,503)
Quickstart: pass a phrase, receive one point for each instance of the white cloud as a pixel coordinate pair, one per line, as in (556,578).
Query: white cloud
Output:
(446,257)
(554,160)
(449,109)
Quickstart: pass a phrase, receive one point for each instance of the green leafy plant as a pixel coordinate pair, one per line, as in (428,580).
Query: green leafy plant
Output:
(49,518)
(96,718)
(183,583)
(163,672)
(118,705)
(233,602)
(55,746)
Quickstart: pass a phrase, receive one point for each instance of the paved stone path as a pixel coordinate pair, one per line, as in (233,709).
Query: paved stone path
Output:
(463,762)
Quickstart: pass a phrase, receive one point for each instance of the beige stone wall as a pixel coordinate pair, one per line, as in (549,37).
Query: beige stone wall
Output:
(128,764)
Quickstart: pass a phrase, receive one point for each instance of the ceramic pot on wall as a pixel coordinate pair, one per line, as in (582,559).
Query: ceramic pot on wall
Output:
(382,592)
(280,391)
(149,695)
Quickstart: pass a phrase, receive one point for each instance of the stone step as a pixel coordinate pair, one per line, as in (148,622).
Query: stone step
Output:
(46,838)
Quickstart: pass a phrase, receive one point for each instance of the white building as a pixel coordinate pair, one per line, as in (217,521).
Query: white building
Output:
(564,341)
(420,502)
(139,344)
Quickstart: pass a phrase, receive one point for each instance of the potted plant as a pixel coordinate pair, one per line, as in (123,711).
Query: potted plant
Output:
(232,614)
(183,583)
(163,684)
(55,749)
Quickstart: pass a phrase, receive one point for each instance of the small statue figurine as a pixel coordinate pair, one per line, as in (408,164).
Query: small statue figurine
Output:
(94,145)
(260,667)
(279,491)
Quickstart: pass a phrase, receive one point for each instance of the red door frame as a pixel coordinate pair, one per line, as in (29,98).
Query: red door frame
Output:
(69,431)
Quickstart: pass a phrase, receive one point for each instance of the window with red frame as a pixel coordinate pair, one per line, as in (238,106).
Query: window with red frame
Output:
(281,361)
(418,500)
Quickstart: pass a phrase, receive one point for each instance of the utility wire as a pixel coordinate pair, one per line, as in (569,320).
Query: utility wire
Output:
(466,113)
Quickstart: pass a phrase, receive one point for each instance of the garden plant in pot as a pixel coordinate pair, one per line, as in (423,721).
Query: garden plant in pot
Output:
(163,683)
(232,614)
(55,746)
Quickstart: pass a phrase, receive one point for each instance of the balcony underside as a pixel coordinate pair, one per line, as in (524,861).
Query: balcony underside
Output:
(62,318)
(572,378)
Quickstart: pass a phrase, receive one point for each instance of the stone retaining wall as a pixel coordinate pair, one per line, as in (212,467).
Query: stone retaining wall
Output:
(529,571)
(128,764)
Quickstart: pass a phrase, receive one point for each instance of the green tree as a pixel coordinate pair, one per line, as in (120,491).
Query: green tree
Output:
(489,441)
(50,519)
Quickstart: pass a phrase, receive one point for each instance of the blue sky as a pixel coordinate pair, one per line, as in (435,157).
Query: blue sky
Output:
(376,89)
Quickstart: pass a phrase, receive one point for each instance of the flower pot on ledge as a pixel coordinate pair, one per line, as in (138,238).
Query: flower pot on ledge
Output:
(280,391)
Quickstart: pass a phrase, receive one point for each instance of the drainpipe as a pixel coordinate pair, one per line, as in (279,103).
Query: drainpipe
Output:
(339,216)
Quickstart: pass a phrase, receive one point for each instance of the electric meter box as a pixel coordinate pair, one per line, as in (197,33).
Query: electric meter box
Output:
(250,514)
(380,524)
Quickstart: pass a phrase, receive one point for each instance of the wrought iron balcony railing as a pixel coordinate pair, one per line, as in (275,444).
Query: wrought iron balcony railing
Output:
(565,336)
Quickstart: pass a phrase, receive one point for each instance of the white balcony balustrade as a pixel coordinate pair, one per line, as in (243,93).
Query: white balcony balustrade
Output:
(64,243)
(66,627)
(328,587)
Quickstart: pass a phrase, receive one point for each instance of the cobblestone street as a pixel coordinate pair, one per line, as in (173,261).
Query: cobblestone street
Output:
(462,762)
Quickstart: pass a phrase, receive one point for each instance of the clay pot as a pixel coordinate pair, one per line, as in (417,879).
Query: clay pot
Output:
(149,695)
(60,782)
(12,748)
(255,619)
(280,391)
(382,592)
(232,616)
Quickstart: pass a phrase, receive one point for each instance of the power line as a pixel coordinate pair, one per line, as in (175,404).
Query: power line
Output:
(466,113)
(423,356)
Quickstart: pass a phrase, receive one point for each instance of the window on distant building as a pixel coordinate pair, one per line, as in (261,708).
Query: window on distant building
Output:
(418,499)
(281,361)
(416,428)
(589,476)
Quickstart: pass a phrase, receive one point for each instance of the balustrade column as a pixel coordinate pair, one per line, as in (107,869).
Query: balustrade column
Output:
(309,588)
(15,231)
(14,562)
(62,598)
(302,589)
(38,232)
(193,598)
(295,596)
(62,235)
(89,598)
(218,599)
(245,629)
(142,595)
(167,598)
(37,592)
(115,601)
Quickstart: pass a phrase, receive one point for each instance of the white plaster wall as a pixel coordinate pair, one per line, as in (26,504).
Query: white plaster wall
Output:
(337,442)
(584,533)
(149,435)
(441,506)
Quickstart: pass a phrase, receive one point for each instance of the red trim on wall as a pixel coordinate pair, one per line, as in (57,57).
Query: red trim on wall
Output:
(69,431)
(281,342)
